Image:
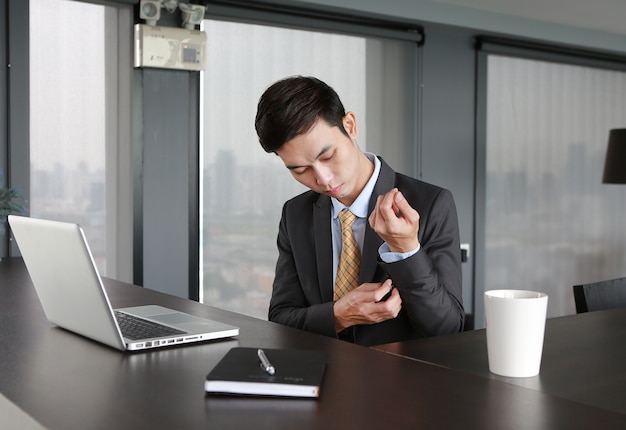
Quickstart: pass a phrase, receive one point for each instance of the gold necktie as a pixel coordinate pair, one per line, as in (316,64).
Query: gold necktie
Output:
(349,259)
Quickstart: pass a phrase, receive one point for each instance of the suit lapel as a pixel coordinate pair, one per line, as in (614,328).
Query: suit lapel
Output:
(323,247)
(369,259)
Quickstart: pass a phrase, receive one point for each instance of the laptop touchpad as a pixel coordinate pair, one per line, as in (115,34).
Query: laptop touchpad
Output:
(175,318)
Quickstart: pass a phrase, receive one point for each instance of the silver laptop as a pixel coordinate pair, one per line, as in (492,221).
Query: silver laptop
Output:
(71,292)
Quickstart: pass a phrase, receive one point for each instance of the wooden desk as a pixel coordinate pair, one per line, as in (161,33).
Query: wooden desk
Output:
(584,358)
(64,381)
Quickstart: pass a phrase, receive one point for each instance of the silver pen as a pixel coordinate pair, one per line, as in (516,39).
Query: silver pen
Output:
(265,363)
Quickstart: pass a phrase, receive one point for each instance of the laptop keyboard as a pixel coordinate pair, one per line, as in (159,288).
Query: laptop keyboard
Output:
(136,328)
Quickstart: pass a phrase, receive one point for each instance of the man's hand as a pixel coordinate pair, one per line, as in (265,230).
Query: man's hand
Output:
(363,306)
(395,221)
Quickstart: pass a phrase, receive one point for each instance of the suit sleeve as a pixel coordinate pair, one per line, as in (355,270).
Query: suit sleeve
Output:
(429,282)
(296,301)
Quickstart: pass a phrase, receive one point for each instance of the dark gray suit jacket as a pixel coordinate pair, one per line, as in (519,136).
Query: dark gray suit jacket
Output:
(429,282)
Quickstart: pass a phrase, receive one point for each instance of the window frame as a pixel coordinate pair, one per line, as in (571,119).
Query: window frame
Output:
(485,46)
(118,150)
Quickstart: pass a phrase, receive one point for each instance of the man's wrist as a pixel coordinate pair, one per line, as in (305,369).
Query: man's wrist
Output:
(340,322)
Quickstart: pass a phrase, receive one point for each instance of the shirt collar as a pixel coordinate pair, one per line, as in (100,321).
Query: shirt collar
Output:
(360,206)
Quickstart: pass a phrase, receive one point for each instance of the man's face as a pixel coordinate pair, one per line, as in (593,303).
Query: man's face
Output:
(327,161)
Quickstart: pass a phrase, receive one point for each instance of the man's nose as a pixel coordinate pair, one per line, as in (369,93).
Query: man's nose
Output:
(323,176)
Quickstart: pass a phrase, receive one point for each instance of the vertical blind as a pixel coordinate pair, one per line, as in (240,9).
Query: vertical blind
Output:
(550,223)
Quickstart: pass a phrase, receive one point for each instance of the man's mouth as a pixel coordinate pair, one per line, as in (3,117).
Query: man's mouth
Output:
(334,191)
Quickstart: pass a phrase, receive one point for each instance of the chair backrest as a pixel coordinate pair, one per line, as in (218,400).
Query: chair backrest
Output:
(597,296)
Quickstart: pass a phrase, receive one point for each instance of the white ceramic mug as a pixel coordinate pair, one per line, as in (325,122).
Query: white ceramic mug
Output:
(515,321)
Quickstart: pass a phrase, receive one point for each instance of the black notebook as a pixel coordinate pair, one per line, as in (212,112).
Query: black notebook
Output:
(297,373)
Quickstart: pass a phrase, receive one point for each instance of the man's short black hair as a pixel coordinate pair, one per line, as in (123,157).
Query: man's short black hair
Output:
(291,106)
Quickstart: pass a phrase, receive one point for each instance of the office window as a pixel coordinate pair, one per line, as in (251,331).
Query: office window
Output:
(74,130)
(550,222)
(242,187)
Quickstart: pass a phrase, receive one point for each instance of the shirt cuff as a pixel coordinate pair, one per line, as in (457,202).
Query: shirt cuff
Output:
(391,257)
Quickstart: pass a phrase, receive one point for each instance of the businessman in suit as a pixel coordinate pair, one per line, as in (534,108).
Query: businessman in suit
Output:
(409,282)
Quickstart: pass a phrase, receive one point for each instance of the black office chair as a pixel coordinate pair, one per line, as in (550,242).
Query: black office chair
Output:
(597,296)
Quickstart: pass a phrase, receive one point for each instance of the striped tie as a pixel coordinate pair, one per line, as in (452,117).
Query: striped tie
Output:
(350,258)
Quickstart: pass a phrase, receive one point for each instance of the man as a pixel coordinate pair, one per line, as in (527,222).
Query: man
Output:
(406,230)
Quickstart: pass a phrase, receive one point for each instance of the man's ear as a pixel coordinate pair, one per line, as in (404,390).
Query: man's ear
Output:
(349,124)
